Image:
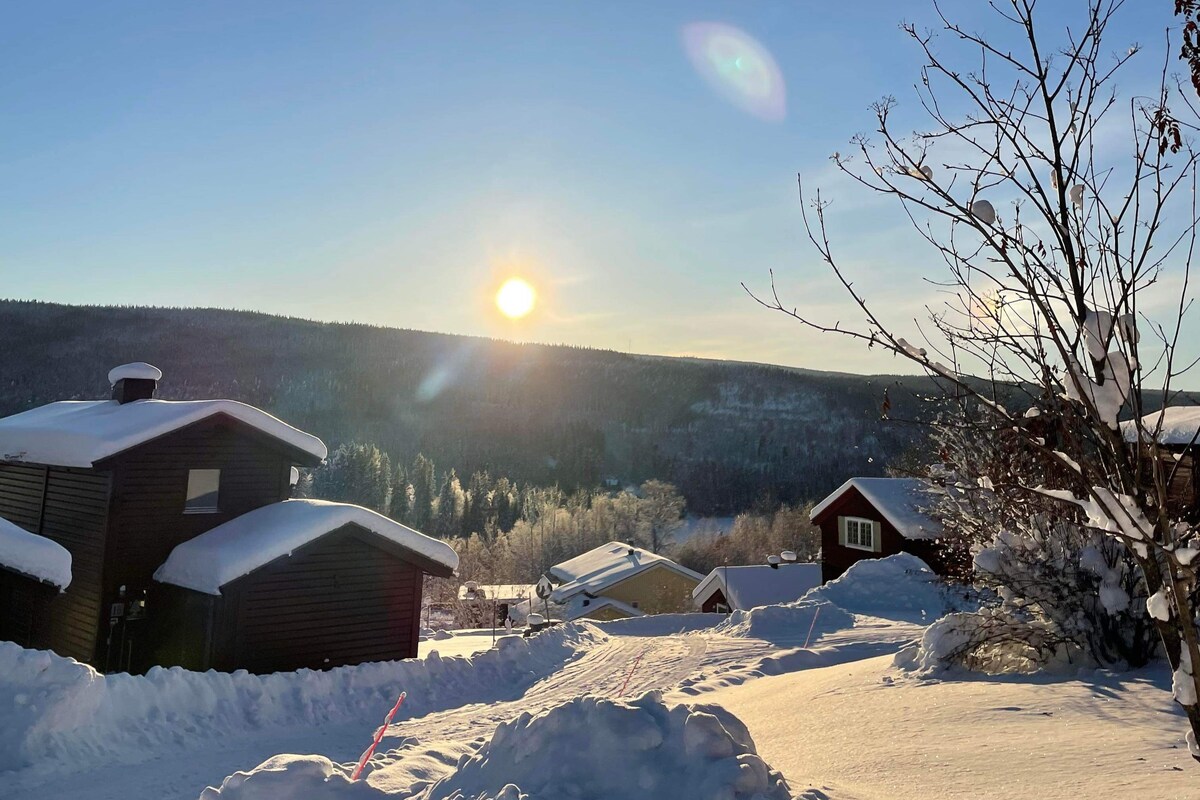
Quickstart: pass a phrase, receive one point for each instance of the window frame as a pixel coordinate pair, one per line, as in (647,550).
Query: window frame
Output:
(215,508)
(857,523)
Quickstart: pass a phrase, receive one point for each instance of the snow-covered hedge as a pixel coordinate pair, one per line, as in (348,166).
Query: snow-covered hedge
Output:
(56,708)
(585,747)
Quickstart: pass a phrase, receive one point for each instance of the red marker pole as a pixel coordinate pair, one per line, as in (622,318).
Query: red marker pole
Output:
(636,661)
(362,762)
(816,614)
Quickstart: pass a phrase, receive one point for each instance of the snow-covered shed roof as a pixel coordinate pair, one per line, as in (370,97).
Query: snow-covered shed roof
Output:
(1179,425)
(258,537)
(581,605)
(501,592)
(900,500)
(79,433)
(759,584)
(608,564)
(33,555)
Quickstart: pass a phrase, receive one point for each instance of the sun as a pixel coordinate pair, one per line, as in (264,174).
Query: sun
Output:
(516,298)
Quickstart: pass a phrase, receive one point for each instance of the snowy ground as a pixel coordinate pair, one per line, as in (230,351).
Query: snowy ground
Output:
(866,731)
(462,643)
(835,718)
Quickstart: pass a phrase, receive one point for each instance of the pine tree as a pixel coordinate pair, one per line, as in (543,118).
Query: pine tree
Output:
(421,477)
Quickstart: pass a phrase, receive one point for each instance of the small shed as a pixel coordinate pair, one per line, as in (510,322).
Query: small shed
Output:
(1175,431)
(875,518)
(300,583)
(742,588)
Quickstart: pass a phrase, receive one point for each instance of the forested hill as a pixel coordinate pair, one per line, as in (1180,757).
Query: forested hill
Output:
(729,434)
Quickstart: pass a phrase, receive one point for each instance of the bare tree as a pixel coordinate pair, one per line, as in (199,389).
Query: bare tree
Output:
(1053,239)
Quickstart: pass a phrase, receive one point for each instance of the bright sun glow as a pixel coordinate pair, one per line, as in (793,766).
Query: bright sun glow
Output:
(515,298)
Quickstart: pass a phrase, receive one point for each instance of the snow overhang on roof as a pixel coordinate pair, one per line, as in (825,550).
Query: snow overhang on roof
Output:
(256,538)
(34,556)
(576,607)
(899,500)
(605,566)
(1179,426)
(74,433)
(747,587)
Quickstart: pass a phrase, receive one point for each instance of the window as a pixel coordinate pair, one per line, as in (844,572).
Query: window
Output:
(635,604)
(860,533)
(202,490)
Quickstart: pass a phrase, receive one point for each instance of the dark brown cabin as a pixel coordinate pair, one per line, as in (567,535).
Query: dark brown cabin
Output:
(348,596)
(876,518)
(121,483)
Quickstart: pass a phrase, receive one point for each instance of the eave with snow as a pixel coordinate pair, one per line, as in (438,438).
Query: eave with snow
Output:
(741,588)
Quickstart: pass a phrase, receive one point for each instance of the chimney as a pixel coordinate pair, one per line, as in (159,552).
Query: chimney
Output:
(136,381)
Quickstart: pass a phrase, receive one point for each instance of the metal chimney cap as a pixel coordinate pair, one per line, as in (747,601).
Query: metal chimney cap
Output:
(788,555)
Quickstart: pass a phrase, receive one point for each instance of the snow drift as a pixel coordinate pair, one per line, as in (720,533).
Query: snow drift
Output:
(586,747)
(56,708)
(898,587)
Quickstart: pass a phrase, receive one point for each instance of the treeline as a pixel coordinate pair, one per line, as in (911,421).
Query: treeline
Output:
(730,436)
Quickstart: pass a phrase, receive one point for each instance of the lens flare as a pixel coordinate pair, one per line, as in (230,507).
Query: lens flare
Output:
(515,298)
(738,67)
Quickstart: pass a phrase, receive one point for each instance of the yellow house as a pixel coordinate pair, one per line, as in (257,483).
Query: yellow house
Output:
(617,580)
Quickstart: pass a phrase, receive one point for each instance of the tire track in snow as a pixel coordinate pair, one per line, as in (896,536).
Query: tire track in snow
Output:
(666,660)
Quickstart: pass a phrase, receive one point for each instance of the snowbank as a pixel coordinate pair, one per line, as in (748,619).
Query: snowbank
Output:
(661,624)
(897,587)
(56,708)
(585,747)
(238,547)
(787,624)
(33,555)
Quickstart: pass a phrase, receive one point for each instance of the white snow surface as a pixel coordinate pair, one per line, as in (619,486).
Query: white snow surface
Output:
(606,565)
(586,747)
(900,587)
(138,370)
(901,501)
(1179,425)
(256,538)
(747,587)
(33,555)
(79,433)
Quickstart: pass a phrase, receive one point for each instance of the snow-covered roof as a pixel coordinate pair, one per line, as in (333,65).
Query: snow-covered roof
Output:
(576,607)
(608,564)
(500,591)
(79,433)
(33,555)
(258,537)
(899,500)
(1179,425)
(759,584)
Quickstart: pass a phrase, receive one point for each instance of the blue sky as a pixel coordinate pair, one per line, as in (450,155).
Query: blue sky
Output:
(391,162)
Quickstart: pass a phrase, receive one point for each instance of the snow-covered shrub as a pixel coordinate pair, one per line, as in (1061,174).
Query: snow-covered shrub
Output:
(1060,592)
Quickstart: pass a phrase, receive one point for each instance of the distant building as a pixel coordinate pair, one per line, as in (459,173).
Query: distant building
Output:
(875,518)
(741,588)
(618,580)
(507,600)
(182,547)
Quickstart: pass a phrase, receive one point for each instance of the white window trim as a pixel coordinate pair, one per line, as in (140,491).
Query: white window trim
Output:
(859,521)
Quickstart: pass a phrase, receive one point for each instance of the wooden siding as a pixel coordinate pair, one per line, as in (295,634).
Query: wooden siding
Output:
(150,488)
(69,506)
(657,590)
(340,600)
